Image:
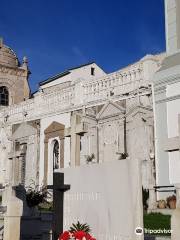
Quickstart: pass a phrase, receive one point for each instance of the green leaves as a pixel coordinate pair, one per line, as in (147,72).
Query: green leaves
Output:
(90,158)
(80,227)
(36,195)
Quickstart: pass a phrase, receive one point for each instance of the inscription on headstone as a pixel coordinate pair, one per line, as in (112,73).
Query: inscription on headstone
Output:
(101,195)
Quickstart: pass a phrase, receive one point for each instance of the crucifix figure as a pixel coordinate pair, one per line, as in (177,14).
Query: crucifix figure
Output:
(58,198)
(76,130)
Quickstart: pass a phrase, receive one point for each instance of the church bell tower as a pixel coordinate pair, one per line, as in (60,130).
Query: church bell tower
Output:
(14,87)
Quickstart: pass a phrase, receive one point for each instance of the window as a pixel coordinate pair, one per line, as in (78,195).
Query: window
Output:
(4,96)
(56,155)
(92,71)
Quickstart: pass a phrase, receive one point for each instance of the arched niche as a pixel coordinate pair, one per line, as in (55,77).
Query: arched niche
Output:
(53,133)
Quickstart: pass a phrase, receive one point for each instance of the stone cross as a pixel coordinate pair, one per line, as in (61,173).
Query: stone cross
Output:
(75,131)
(58,198)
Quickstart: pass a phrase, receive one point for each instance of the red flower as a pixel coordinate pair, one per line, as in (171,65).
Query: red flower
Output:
(88,236)
(79,235)
(64,236)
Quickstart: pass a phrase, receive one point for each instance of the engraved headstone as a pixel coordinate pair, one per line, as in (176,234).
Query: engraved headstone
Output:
(102,196)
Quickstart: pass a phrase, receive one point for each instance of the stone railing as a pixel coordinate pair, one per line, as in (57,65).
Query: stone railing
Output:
(18,111)
(58,100)
(116,84)
(40,104)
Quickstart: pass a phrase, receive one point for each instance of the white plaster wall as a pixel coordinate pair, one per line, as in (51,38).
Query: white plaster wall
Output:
(173,89)
(75,74)
(174,167)
(106,197)
(58,81)
(45,122)
(85,72)
(162,160)
(173,110)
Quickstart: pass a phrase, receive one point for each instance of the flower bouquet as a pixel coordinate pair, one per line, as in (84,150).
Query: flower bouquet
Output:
(77,232)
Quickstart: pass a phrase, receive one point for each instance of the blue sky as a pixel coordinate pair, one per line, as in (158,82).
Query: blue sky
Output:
(59,34)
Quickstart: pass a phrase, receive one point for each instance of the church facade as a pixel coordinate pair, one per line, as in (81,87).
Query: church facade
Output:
(80,116)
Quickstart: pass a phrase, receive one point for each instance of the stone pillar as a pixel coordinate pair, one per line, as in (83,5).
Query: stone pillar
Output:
(75,150)
(172,25)
(62,152)
(45,161)
(152,198)
(175,219)
(12,218)
(152,203)
(75,141)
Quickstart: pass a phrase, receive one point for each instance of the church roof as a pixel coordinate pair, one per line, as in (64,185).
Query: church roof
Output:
(80,66)
(59,75)
(62,74)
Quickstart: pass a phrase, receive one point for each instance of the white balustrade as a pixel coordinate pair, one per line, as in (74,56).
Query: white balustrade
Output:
(117,83)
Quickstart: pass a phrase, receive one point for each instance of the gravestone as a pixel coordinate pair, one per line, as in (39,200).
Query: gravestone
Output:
(103,196)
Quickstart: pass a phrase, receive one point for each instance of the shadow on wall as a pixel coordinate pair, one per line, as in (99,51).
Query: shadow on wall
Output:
(34,224)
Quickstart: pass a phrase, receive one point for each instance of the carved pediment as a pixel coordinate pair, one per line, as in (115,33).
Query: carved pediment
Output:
(54,127)
(139,110)
(109,110)
(23,130)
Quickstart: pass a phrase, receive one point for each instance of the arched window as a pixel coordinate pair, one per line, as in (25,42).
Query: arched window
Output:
(56,155)
(4,96)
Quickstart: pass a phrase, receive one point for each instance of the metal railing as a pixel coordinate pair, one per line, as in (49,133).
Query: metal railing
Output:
(165,188)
